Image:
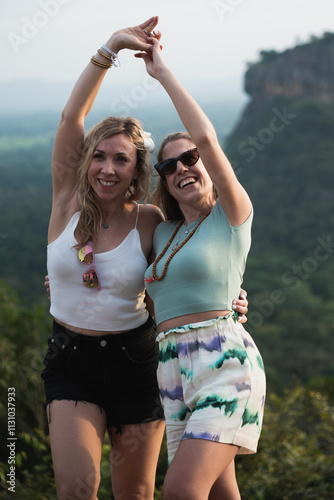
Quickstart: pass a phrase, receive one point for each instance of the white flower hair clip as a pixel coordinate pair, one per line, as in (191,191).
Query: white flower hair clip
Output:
(148,141)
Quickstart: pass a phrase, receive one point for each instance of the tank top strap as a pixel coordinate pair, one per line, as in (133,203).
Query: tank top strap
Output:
(137,215)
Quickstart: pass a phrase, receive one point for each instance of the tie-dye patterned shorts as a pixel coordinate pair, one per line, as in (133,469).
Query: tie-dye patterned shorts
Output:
(212,384)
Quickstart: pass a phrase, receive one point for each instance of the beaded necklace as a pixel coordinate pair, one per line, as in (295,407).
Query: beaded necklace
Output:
(159,278)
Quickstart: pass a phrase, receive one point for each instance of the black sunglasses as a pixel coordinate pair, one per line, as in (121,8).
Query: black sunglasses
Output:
(167,167)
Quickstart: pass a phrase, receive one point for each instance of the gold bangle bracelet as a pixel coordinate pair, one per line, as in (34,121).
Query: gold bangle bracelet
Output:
(103,55)
(99,64)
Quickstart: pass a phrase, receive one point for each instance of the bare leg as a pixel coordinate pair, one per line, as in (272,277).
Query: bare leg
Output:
(195,469)
(76,436)
(226,487)
(134,457)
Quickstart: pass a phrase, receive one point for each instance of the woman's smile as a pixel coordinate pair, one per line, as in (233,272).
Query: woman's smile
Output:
(187,182)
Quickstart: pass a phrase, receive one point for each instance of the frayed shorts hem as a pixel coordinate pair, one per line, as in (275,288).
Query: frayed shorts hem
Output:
(116,372)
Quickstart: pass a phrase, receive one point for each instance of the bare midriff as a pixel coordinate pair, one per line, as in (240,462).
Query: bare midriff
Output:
(84,331)
(190,318)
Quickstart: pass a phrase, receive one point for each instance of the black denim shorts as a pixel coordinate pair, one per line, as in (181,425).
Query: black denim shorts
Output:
(117,372)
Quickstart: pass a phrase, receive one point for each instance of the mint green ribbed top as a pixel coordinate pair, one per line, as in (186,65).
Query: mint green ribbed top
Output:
(206,274)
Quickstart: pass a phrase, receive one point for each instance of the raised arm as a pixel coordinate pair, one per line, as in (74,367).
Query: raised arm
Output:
(232,195)
(70,132)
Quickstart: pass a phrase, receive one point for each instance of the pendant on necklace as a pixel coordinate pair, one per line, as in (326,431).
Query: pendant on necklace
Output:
(105,225)
(175,247)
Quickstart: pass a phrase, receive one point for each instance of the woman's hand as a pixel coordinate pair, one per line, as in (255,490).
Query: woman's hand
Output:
(135,38)
(241,306)
(47,285)
(155,63)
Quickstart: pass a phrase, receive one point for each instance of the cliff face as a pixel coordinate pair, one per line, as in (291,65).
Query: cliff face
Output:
(304,71)
(282,148)
(282,151)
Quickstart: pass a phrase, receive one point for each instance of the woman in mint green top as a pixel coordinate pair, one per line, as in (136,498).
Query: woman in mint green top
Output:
(211,377)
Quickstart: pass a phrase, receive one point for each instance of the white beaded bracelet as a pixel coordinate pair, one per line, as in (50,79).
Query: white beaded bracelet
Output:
(114,56)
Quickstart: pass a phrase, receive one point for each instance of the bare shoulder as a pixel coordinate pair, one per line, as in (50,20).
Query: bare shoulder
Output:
(150,217)
(151,214)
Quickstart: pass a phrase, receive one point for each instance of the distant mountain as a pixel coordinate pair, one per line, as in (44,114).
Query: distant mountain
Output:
(282,147)
(282,150)
(30,96)
(33,107)
(304,71)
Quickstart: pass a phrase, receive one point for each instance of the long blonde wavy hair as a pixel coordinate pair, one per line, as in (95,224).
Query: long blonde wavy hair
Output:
(90,219)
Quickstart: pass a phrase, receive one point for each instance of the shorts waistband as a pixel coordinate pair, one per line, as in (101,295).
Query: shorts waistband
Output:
(233,315)
(58,328)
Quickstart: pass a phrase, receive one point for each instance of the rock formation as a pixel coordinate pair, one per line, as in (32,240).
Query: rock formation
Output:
(304,71)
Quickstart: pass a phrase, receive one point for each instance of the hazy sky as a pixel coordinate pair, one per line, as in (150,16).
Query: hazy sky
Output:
(207,41)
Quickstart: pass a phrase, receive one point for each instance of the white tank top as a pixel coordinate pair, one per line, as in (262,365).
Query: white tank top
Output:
(119,305)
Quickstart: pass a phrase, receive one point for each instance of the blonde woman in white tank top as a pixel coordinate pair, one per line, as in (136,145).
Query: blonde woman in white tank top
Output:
(102,184)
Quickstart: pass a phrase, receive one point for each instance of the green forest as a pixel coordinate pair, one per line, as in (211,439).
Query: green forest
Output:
(282,151)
